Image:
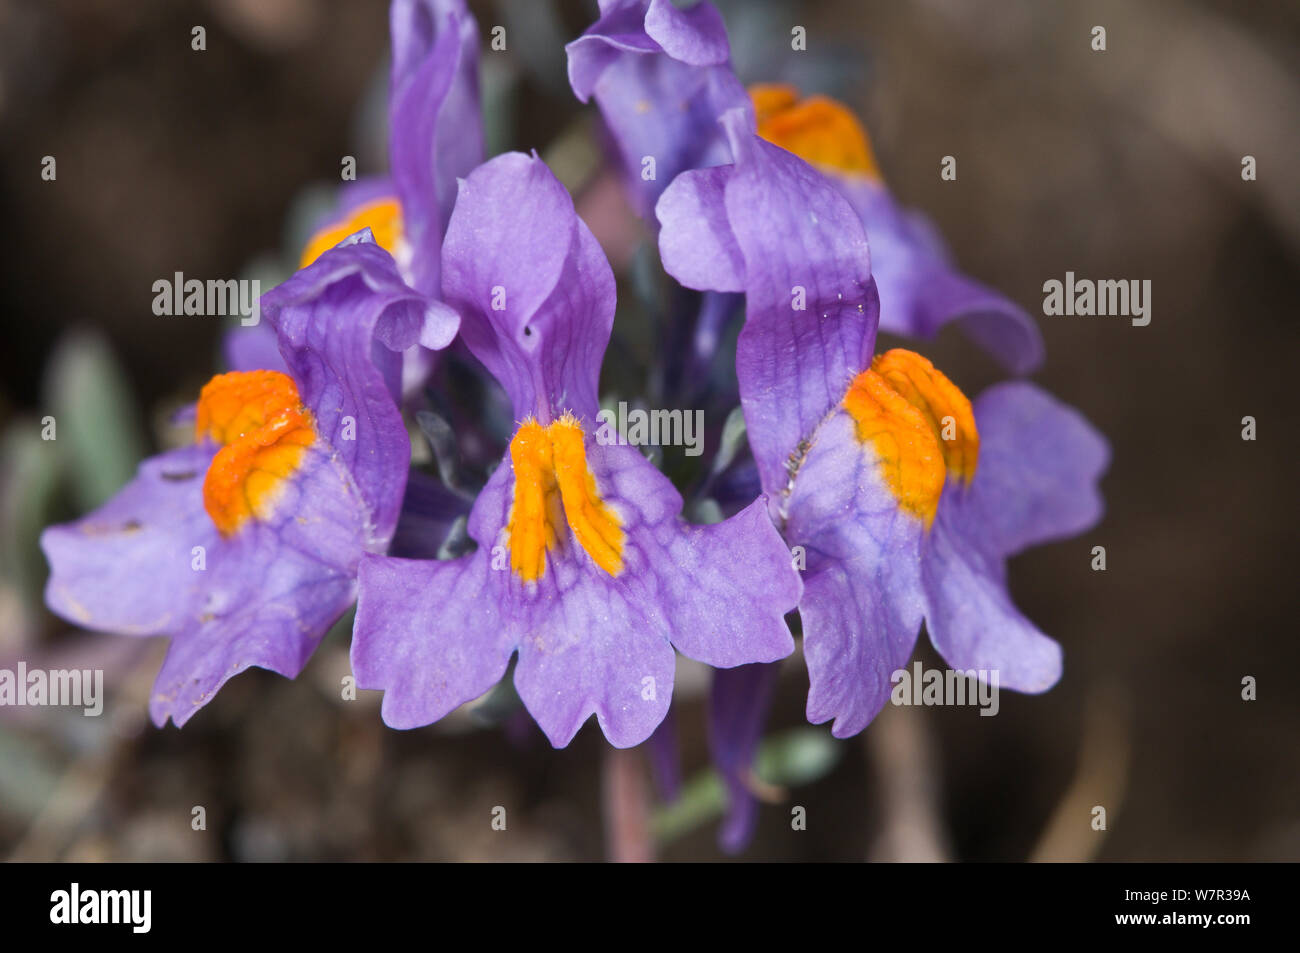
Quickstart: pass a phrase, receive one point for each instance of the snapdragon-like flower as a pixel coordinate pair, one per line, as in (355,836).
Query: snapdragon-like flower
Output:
(243,547)
(435,135)
(920,290)
(662,79)
(584,567)
(905,497)
(661,76)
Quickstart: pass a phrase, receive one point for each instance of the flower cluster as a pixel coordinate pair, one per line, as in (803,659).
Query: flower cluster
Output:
(874,495)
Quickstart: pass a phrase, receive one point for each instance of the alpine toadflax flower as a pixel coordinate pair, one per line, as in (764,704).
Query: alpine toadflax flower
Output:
(661,76)
(243,546)
(905,498)
(435,135)
(584,568)
(920,290)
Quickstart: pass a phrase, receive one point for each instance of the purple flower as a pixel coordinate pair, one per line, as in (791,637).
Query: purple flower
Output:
(661,77)
(905,499)
(435,135)
(584,567)
(920,290)
(243,547)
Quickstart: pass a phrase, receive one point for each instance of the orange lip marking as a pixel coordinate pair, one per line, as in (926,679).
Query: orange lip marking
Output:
(920,425)
(383,217)
(553,483)
(818,129)
(264,430)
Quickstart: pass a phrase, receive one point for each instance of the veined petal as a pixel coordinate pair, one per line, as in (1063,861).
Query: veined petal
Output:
(342,323)
(429,633)
(435,124)
(244,548)
(810,304)
(863,601)
(535,290)
(739,701)
(1037,481)
(662,78)
(584,567)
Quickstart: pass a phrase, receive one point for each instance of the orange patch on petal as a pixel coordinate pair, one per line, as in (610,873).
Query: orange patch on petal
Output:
(595,525)
(819,130)
(945,407)
(920,426)
(383,217)
(264,430)
(553,483)
(535,513)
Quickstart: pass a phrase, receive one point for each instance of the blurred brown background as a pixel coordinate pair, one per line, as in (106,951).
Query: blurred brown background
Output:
(1117,164)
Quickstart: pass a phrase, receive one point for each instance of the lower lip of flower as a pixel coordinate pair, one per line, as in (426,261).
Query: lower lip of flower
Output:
(920,425)
(553,483)
(264,431)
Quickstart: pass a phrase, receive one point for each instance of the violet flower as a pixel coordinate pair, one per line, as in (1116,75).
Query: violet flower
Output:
(243,547)
(920,290)
(435,135)
(905,497)
(662,79)
(584,567)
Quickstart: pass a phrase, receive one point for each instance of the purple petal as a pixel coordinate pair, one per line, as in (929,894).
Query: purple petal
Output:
(342,322)
(921,291)
(863,601)
(435,126)
(125,567)
(696,36)
(696,243)
(596,652)
(971,619)
(661,78)
(428,633)
(1039,464)
(1036,481)
(535,290)
(738,708)
(252,348)
(709,575)
(799,239)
